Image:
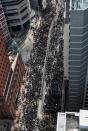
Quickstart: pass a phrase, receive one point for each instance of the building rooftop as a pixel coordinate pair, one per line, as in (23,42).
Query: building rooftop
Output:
(61,122)
(83,119)
(13,60)
(72,121)
(78,4)
(13,54)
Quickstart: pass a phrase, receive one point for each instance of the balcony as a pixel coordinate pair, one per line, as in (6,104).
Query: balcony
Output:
(14,6)
(8,83)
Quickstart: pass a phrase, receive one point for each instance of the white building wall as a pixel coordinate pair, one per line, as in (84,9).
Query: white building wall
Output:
(66,50)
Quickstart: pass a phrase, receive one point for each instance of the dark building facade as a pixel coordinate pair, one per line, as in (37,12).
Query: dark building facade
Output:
(34,4)
(78,55)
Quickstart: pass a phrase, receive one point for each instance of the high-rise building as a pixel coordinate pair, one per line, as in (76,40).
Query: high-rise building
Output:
(17,12)
(78,55)
(11,73)
(3,26)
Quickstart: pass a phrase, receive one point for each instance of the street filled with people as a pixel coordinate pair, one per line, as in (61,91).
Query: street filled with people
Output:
(46,38)
(36,70)
(54,65)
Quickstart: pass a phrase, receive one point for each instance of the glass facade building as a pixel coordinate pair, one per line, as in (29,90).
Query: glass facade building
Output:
(78,54)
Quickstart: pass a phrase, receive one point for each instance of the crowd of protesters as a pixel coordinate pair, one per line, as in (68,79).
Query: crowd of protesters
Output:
(36,69)
(54,64)
(53,72)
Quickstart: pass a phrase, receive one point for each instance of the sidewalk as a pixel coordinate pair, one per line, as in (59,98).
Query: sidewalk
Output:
(39,112)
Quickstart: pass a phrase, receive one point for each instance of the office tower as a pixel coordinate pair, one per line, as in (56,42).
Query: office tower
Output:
(17,12)
(78,54)
(11,73)
(3,26)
